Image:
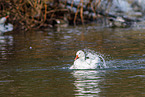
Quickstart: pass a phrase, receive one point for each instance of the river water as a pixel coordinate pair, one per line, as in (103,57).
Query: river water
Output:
(36,63)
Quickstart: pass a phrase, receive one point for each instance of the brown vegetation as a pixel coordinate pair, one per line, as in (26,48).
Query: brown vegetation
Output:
(26,14)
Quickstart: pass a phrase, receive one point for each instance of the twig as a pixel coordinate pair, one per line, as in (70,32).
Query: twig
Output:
(81,12)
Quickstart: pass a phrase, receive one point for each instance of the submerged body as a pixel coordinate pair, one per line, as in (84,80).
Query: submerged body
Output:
(82,63)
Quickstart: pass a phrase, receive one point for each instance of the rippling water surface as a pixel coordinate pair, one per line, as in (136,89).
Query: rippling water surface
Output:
(36,63)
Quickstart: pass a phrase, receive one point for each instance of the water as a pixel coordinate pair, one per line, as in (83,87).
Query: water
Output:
(36,63)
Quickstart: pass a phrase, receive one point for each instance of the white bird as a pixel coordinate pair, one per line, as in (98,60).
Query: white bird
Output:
(82,63)
(3,20)
(3,26)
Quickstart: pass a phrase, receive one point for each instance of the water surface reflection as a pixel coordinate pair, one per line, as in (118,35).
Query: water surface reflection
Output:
(86,82)
(6,43)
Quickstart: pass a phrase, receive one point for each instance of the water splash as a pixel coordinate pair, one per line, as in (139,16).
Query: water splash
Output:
(104,63)
(96,56)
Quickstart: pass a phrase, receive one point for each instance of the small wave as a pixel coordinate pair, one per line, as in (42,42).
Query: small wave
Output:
(126,64)
(5,81)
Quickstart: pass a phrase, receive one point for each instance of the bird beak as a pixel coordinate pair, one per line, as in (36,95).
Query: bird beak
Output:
(6,16)
(76,57)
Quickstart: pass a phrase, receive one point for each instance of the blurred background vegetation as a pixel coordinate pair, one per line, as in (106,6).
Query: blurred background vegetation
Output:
(28,14)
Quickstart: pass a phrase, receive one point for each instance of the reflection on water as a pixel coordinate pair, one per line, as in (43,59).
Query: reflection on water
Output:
(5,42)
(86,82)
